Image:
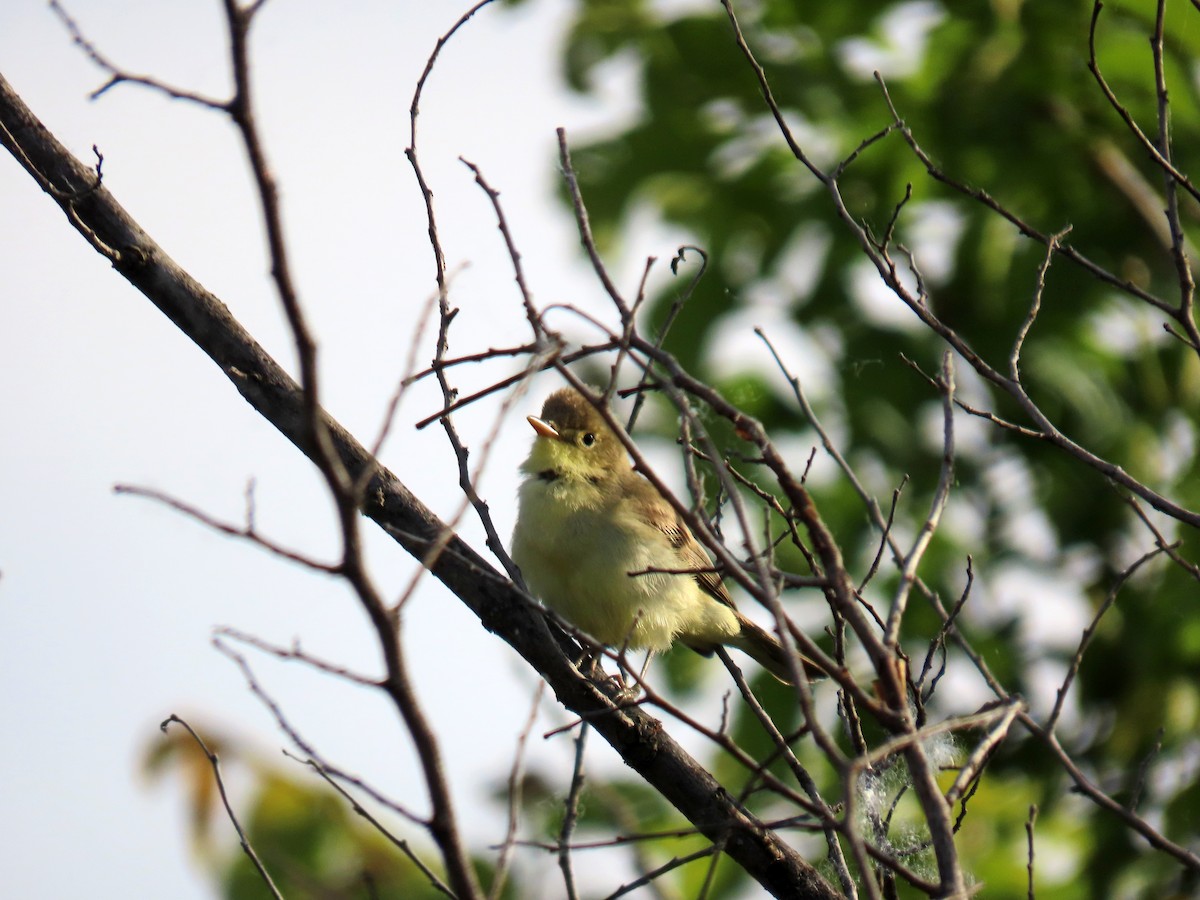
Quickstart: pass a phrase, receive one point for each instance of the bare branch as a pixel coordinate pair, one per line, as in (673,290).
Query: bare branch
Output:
(668,320)
(1014,357)
(516,777)
(295,737)
(1090,631)
(1171,549)
(531,313)
(939,641)
(414,111)
(1179,245)
(242,839)
(1027,230)
(117,75)
(1139,785)
(1029,823)
(828,821)
(1189,858)
(398,842)
(295,653)
(246,532)
(571,815)
(973,767)
(656,873)
(585,227)
(764,85)
(1153,150)
(908,569)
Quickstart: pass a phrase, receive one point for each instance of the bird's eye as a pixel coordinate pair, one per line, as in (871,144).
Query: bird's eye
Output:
(589,439)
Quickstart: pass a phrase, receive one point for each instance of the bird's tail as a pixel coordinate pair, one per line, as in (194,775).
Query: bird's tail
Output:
(764,649)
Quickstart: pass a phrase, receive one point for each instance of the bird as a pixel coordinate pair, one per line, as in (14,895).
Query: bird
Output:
(599,545)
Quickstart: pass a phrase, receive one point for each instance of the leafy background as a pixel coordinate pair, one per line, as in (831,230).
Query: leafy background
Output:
(999,94)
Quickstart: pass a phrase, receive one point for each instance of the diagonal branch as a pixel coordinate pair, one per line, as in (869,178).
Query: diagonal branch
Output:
(502,609)
(216,767)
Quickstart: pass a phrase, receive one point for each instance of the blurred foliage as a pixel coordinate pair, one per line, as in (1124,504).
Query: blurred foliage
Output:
(308,837)
(1000,96)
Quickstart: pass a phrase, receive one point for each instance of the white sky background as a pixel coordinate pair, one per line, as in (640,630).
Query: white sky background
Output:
(107,603)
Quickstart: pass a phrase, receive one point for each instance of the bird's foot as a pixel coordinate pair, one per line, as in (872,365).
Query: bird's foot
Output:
(627,691)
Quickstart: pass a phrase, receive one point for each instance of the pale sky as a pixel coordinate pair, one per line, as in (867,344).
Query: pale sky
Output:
(107,603)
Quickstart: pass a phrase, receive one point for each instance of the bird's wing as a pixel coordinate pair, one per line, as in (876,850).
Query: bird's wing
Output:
(653,508)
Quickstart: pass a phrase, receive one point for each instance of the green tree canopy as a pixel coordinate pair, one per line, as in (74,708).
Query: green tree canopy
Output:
(1018,143)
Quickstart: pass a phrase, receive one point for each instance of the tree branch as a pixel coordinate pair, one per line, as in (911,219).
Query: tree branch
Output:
(502,609)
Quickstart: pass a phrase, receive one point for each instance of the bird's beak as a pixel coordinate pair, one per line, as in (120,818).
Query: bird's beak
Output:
(544,429)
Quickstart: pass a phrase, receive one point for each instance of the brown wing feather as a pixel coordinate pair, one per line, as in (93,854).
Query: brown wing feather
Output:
(752,639)
(657,512)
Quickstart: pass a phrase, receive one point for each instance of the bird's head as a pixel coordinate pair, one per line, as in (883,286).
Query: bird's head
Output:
(573,440)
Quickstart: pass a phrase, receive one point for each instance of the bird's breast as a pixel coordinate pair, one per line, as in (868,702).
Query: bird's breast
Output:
(588,562)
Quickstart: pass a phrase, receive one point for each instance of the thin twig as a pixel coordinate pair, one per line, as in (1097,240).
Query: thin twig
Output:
(939,641)
(119,76)
(299,741)
(216,767)
(1160,541)
(585,226)
(828,821)
(668,320)
(1086,638)
(571,814)
(1029,823)
(1014,357)
(653,874)
(972,768)
(295,653)
(1179,242)
(246,532)
(516,777)
(398,842)
(1153,150)
(908,567)
(1139,784)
